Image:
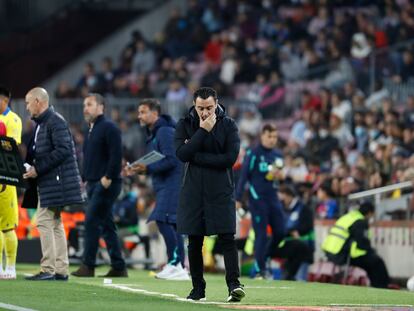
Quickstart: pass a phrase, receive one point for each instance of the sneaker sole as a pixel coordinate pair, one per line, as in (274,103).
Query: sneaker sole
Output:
(202,299)
(236,295)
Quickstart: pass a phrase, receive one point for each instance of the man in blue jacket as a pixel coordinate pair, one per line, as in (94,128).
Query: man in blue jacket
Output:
(165,175)
(299,243)
(102,161)
(261,169)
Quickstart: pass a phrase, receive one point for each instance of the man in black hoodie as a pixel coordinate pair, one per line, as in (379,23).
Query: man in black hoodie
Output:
(208,142)
(102,161)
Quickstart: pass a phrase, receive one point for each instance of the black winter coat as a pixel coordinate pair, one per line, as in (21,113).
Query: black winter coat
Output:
(206,205)
(54,159)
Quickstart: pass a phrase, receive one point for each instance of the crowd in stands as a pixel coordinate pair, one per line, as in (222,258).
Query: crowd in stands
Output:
(343,136)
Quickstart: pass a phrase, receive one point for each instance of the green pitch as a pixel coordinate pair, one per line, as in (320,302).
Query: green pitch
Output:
(143,292)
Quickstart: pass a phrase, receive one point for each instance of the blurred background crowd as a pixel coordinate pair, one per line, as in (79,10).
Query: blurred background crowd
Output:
(335,77)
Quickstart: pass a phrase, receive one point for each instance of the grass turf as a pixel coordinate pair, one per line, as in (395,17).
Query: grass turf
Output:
(91,294)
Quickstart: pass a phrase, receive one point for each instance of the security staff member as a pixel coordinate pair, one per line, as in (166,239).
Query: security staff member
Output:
(349,237)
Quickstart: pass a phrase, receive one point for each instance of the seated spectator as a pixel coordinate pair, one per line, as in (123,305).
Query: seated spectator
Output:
(272,97)
(295,168)
(406,71)
(107,75)
(255,89)
(291,66)
(299,243)
(144,59)
(251,122)
(64,90)
(327,207)
(340,131)
(321,145)
(317,23)
(374,100)
(177,92)
(89,82)
(309,101)
(212,50)
(140,87)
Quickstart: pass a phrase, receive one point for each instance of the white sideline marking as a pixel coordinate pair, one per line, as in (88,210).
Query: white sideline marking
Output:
(145,292)
(13,307)
(368,305)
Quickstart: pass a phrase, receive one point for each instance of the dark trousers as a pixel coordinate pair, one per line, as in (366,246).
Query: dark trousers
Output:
(99,222)
(266,211)
(375,268)
(173,241)
(295,252)
(231,260)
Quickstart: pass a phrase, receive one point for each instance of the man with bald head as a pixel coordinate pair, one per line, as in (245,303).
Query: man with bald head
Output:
(55,182)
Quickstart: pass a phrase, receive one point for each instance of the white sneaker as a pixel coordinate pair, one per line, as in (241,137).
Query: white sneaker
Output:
(166,271)
(9,273)
(176,273)
(180,274)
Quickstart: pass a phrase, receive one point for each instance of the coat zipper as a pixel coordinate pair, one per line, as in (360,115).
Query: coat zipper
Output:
(186,165)
(229,177)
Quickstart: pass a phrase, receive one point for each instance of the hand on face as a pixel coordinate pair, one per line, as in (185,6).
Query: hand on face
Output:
(209,122)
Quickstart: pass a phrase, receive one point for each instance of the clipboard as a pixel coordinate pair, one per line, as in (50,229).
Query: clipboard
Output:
(149,158)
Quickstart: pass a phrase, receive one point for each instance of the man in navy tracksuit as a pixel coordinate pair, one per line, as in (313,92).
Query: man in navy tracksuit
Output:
(261,169)
(166,178)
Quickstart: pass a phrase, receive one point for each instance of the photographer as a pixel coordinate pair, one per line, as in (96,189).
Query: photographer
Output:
(262,170)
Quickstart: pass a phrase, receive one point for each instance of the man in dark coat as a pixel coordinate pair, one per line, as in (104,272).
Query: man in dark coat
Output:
(57,181)
(208,142)
(102,161)
(165,175)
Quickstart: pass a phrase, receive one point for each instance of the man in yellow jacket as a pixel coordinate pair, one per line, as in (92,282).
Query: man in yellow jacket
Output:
(349,237)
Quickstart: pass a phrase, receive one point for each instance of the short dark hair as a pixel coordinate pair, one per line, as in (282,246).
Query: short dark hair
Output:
(100,100)
(288,189)
(4,91)
(269,128)
(366,207)
(152,103)
(326,186)
(204,93)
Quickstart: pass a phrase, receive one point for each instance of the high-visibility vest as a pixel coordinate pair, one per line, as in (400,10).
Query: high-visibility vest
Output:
(339,234)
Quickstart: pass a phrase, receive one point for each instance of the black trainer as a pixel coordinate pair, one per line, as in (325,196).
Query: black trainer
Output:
(61,277)
(197,294)
(236,294)
(41,276)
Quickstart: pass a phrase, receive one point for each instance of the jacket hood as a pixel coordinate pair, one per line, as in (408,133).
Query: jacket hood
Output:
(163,120)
